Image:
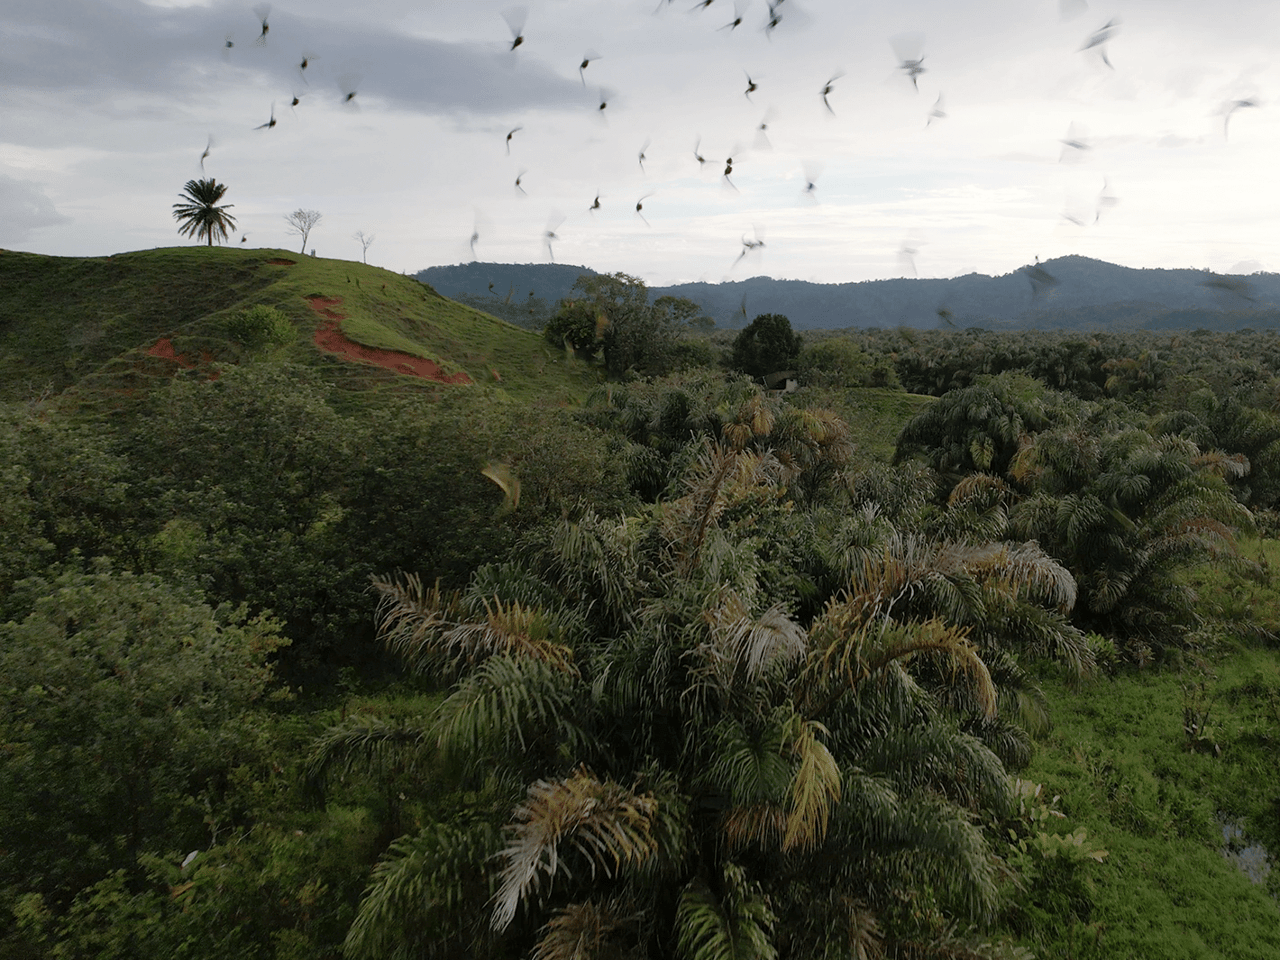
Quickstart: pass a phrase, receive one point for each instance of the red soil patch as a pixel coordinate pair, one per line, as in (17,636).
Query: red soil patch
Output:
(329,337)
(163,348)
(281,262)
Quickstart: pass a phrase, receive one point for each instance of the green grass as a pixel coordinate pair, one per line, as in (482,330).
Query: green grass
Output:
(82,326)
(1124,766)
(875,415)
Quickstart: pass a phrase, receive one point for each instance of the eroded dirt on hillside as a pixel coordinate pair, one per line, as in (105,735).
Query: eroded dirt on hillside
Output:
(329,337)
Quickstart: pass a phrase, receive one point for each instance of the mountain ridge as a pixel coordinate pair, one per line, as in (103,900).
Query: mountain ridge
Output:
(1070,292)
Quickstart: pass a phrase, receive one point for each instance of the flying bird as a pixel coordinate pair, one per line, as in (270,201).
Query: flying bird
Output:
(1229,286)
(347,83)
(696,155)
(270,123)
(302,67)
(640,208)
(1106,200)
(515,17)
(595,204)
(1100,37)
(553,224)
(1231,106)
(605,96)
(827,88)
(906,48)
(762,131)
(736,22)
(586,60)
(641,156)
(262,11)
(812,170)
(775,17)
(518,179)
(511,133)
(1075,144)
(507,481)
(208,147)
(751,87)
(750,246)
(1039,278)
(938,112)
(907,258)
(244,238)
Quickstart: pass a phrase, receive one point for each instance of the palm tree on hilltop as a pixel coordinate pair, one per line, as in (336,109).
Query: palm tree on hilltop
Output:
(199,215)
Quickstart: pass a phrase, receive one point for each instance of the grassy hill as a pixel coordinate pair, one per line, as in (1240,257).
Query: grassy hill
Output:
(103,329)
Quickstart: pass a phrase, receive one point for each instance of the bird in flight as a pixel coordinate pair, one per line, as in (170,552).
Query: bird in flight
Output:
(1106,200)
(515,17)
(1075,144)
(262,11)
(906,48)
(751,87)
(595,204)
(938,112)
(208,147)
(511,133)
(518,179)
(642,157)
(696,155)
(827,88)
(750,246)
(1039,278)
(1100,37)
(812,170)
(1230,107)
(553,223)
(586,61)
(762,131)
(270,123)
(737,17)
(640,208)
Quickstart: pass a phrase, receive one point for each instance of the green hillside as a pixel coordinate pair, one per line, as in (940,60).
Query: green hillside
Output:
(92,327)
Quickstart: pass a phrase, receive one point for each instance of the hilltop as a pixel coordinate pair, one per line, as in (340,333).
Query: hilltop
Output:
(1081,294)
(103,327)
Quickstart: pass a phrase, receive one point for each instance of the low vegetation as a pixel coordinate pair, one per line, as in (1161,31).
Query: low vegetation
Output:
(612,650)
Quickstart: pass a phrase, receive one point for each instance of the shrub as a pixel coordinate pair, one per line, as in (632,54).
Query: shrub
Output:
(260,326)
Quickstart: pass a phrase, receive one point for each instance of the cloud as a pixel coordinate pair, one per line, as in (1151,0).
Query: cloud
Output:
(23,208)
(78,45)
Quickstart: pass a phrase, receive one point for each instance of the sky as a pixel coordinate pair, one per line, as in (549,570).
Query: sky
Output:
(1045,146)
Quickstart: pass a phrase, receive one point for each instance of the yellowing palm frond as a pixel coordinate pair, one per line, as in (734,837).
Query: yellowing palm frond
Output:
(571,822)
(423,626)
(849,648)
(814,791)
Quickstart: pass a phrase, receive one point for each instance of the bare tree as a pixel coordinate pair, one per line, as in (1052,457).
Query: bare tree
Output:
(302,222)
(365,240)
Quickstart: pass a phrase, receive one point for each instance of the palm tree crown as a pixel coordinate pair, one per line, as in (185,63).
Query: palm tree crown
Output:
(199,215)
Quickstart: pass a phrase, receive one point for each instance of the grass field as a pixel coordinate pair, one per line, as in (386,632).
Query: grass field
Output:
(88,323)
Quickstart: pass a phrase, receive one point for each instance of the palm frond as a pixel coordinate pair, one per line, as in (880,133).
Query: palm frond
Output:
(735,926)
(848,647)
(365,744)
(508,704)
(815,789)
(418,903)
(606,826)
(587,931)
(422,626)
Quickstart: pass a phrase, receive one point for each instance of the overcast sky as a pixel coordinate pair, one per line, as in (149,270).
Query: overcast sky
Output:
(109,104)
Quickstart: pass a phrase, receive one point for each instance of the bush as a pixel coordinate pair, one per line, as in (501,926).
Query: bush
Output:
(261,326)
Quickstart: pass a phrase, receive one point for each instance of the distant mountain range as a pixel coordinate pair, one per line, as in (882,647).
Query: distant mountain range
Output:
(1066,293)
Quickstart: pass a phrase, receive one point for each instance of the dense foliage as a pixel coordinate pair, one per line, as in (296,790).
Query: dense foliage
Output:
(689,669)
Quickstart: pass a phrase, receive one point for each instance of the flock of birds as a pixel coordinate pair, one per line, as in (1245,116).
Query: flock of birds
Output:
(1075,143)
